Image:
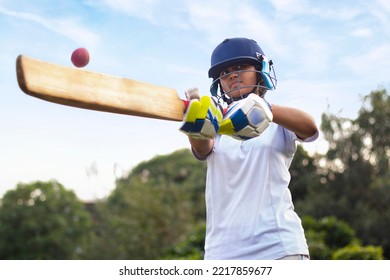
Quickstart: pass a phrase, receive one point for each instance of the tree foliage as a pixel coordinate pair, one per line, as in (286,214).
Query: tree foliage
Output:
(356,252)
(151,210)
(354,173)
(192,247)
(42,220)
(374,129)
(304,175)
(332,239)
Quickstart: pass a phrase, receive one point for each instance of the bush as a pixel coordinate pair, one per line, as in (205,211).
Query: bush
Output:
(357,252)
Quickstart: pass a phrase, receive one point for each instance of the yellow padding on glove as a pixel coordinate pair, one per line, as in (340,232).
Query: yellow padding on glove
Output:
(226,127)
(198,109)
(192,111)
(205,102)
(216,111)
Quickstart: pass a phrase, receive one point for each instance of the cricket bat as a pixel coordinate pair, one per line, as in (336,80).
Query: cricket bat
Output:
(97,91)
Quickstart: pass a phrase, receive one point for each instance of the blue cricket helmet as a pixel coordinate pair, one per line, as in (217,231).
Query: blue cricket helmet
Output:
(240,50)
(234,51)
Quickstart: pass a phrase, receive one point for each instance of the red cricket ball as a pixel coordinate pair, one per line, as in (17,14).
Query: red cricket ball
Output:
(80,57)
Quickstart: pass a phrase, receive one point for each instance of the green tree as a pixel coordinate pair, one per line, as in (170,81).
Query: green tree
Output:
(152,209)
(42,220)
(192,247)
(354,184)
(356,252)
(331,238)
(374,130)
(304,176)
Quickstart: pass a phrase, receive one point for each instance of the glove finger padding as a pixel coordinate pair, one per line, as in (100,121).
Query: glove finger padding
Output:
(246,118)
(202,118)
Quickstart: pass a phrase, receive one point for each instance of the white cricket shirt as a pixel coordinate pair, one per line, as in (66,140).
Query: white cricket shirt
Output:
(250,213)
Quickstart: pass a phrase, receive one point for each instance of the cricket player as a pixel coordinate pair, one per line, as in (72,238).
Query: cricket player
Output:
(248,149)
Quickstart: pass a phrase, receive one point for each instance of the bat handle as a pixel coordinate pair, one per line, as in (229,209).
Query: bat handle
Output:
(186,103)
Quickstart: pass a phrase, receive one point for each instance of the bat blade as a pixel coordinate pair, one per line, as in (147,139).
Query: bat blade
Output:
(97,91)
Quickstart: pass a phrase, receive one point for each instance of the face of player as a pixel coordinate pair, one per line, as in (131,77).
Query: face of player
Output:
(238,80)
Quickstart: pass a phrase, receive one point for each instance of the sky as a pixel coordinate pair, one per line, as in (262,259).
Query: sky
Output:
(326,54)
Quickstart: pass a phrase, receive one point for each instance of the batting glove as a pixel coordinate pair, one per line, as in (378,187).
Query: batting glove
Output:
(202,118)
(246,118)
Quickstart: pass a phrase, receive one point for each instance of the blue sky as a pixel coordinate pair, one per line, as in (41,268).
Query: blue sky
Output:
(327,55)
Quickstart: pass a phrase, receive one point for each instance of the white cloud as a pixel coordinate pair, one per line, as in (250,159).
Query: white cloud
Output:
(68,27)
(384,6)
(380,11)
(218,20)
(373,64)
(326,10)
(289,8)
(362,32)
(151,11)
(145,9)
(340,12)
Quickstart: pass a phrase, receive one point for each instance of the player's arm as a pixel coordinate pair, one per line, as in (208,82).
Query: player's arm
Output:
(295,120)
(201,148)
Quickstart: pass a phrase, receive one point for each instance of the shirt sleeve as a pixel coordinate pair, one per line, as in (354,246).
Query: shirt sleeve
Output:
(309,139)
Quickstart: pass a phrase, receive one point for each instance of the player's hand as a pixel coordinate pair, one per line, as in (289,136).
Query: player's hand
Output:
(246,118)
(202,118)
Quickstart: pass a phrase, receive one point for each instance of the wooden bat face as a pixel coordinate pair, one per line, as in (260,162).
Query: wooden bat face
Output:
(96,91)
